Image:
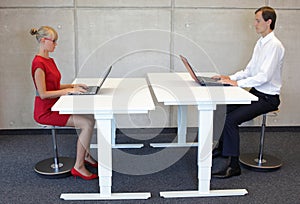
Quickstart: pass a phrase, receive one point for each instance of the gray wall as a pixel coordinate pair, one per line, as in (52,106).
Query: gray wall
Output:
(139,36)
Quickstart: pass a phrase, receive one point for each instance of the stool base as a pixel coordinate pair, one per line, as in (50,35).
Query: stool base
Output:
(46,168)
(269,163)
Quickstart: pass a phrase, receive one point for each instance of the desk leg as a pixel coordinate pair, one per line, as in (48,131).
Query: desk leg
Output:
(181,131)
(205,138)
(182,124)
(104,139)
(113,140)
(120,146)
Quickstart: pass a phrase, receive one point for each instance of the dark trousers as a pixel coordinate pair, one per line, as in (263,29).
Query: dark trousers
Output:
(237,114)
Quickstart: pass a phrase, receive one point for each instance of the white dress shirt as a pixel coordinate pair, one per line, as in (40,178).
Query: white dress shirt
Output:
(263,71)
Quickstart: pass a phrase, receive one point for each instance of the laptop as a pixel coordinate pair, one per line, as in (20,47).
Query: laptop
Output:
(92,90)
(203,81)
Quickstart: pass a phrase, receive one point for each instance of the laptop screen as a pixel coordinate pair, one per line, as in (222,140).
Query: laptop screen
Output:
(189,68)
(105,76)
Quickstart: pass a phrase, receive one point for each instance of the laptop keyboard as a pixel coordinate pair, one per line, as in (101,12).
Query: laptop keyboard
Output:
(92,89)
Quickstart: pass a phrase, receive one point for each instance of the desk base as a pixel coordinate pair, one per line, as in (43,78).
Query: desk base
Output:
(120,146)
(127,146)
(98,196)
(211,193)
(187,144)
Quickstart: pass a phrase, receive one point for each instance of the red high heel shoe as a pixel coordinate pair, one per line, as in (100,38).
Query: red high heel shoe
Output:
(91,164)
(76,173)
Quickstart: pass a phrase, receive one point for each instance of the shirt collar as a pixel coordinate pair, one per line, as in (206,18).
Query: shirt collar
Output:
(268,37)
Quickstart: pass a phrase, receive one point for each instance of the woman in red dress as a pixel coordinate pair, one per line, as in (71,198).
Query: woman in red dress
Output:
(46,77)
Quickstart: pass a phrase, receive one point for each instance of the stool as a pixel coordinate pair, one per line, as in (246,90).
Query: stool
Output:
(261,161)
(55,167)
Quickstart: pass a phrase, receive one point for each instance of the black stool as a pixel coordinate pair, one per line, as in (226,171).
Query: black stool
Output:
(261,161)
(55,167)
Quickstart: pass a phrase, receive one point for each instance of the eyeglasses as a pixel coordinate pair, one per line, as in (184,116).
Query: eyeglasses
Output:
(54,41)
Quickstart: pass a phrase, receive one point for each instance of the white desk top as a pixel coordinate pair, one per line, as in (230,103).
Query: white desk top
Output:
(181,89)
(120,96)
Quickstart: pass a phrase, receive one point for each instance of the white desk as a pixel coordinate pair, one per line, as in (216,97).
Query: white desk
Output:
(180,89)
(96,82)
(182,111)
(118,96)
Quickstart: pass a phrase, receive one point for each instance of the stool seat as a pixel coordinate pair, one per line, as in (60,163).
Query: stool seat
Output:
(54,167)
(260,161)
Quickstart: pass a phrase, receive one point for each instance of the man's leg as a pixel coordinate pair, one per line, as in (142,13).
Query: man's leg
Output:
(230,139)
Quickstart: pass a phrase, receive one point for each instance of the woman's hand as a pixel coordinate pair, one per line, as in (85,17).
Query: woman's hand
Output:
(84,86)
(77,89)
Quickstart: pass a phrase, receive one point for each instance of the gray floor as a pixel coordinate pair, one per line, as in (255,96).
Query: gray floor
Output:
(20,184)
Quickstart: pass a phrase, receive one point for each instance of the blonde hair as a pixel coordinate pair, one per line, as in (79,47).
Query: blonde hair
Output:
(44,31)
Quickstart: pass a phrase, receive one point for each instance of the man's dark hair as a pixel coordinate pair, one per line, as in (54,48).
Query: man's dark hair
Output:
(268,13)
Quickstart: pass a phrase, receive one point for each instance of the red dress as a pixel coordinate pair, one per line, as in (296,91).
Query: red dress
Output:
(42,107)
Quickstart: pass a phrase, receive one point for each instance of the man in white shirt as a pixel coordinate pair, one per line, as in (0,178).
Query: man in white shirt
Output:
(263,76)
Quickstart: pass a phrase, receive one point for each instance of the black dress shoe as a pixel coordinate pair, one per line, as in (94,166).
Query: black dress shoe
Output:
(228,172)
(216,153)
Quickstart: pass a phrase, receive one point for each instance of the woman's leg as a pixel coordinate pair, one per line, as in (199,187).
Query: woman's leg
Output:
(86,125)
